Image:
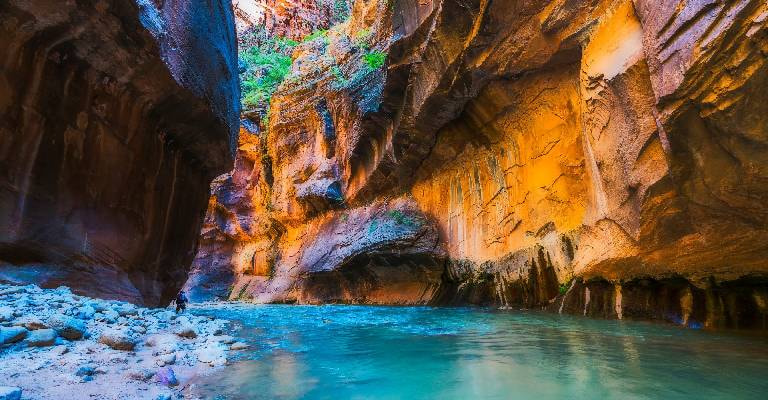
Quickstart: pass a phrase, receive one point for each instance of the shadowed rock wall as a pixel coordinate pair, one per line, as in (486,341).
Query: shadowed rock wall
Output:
(114,117)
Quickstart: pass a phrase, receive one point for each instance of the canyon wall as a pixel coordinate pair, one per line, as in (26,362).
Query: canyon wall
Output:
(114,117)
(603,157)
(292,19)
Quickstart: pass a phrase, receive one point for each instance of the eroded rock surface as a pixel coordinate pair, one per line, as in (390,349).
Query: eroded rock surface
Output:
(292,19)
(114,117)
(583,157)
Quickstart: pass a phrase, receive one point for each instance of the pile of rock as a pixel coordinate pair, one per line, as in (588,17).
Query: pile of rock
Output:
(54,328)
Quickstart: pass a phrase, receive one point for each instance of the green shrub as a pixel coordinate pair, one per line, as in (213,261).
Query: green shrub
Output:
(266,66)
(374,59)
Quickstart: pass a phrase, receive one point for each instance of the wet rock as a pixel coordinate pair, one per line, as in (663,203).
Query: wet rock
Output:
(10,393)
(118,339)
(12,334)
(41,338)
(238,346)
(214,354)
(226,339)
(166,376)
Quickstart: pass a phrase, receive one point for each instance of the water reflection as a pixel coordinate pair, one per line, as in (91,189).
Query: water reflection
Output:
(424,353)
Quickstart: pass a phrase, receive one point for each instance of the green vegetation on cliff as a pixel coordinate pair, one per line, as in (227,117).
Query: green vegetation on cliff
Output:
(263,68)
(374,59)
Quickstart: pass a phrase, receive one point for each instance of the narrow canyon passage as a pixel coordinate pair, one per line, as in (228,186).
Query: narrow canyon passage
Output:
(383,198)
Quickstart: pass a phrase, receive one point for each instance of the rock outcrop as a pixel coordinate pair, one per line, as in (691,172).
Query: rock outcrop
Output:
(292,19)
(603,157)
(114,117)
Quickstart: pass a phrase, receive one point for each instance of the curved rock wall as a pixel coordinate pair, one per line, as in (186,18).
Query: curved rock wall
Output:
(115,116)
(579,156)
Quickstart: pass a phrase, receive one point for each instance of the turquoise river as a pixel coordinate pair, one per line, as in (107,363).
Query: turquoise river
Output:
(361,352)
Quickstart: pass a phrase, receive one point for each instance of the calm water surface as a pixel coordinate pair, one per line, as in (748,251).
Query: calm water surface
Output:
(359,352)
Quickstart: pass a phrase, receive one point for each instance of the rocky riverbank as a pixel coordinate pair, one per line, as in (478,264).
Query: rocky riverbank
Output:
(58,345)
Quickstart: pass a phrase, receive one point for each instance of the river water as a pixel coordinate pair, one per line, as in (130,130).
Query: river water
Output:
(361,352)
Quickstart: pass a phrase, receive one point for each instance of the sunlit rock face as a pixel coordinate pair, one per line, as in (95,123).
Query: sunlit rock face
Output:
(292,19)
(114,117)
(579,156)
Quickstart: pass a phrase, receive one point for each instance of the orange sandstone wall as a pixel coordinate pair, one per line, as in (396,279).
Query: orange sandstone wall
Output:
(600,157)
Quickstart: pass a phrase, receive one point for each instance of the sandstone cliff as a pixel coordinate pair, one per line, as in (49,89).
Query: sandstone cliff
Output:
(114,117)
(600,157)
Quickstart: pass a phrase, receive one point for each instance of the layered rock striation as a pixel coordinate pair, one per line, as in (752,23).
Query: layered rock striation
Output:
(114,117)
(604,158)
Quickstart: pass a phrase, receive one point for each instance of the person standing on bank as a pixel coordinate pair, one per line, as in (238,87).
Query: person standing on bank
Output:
(181,302)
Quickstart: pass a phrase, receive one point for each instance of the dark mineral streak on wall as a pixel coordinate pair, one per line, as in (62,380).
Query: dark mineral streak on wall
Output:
(114,117)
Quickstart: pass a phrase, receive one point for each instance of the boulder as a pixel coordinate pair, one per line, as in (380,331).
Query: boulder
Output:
(118,339)
(31,323)
(166,359)
(12,290)
(214,354)
(85,370)
(109,316)
(68,327)
(127,309)
(85,312)
(226,339)
(163,343)
(41,338)
(166,376)
(186,331)
(12,334)
(238,346)
(141,374)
